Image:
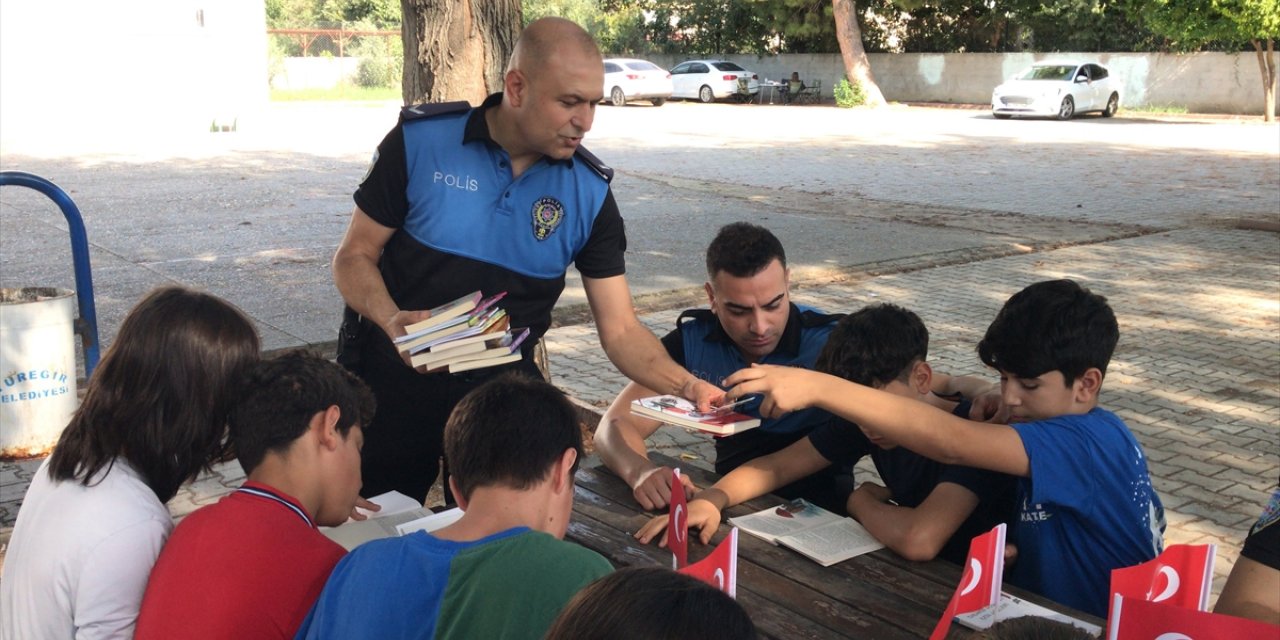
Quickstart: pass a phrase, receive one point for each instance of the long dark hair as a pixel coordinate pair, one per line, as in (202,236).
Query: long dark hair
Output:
(161,395)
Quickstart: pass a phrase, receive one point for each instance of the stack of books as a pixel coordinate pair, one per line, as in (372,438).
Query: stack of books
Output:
(472,332)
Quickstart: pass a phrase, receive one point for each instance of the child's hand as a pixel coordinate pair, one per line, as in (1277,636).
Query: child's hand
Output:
(989,407)
(653,488)
(785,389)
(703,516)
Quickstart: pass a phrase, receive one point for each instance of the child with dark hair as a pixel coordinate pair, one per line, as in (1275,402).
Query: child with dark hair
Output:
(1086,504)
(926,509)
(252,565)
(502,570)
(651,603)
(153,416)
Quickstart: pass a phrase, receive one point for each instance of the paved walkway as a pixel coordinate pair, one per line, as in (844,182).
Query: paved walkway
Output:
(899,210)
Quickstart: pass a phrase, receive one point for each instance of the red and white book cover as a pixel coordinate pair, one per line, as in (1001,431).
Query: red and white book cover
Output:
(1181,576)
(1140,619)
(678,523)
(720,567)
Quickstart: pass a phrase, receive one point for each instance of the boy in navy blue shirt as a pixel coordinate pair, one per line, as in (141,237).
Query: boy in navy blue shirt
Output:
(1086,504)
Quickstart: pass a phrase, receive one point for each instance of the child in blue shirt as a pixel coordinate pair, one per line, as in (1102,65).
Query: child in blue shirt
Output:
(1086,504)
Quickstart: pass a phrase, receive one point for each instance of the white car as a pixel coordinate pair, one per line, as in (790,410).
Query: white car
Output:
(1059,89)
(709,80)
(627,79)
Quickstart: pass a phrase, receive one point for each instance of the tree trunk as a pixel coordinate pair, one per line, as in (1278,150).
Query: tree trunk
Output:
(856,67)
(1267,65)
(457,49)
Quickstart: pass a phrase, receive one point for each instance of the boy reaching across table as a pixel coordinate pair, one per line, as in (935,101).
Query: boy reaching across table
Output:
(1086,504)
(936,509)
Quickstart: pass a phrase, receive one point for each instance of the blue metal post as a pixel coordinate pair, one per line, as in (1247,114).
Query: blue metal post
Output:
(87,323)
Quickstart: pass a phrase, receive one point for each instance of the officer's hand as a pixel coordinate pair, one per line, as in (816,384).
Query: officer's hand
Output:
(394,327)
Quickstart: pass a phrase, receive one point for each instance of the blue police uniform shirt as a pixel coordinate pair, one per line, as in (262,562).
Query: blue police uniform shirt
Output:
(911,477)
(701,346)
(1088,507)
(463,222)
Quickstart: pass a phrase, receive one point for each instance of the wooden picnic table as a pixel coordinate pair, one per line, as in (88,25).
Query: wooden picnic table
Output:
(876,595)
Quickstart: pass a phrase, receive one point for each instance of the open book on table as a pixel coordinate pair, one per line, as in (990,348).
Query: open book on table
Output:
(814,532)
(1015,607)
(400,515)
(678,411)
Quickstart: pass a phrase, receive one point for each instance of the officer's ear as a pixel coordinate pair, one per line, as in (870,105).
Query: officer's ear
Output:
(515,85)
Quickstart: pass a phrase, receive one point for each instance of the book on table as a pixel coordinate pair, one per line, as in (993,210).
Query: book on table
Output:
(442,314)
(678,411)
(820,535)
(400,515)
(1015,607)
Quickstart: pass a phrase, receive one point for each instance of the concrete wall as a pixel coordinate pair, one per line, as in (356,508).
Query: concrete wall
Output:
(314,73)
(142,67)
(1200,82)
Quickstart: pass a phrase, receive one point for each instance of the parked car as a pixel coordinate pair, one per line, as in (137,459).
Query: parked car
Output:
(627,79)
(710,80)
(1061,89)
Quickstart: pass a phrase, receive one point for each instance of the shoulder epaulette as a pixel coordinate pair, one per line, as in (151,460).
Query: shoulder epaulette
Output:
(815,318)
(426,110)
(595,163)
(694,315)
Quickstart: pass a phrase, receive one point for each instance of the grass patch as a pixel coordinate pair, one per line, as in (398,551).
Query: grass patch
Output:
(340,92)
(1157,109)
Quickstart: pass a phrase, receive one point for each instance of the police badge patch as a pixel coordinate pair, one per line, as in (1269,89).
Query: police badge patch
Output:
(548,213)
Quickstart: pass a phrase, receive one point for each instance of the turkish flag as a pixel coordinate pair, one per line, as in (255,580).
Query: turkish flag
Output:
(983,573)
(981,581)
(1138,619)
(678,523)
(720,567)
(1181,576)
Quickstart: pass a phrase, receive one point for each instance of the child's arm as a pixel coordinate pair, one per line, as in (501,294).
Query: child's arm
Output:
(914,533)
(928,431)
(619,441)
(751,480)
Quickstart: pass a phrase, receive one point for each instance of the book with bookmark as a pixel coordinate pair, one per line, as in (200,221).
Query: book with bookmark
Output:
(469,345)
(441,315)
(506,349)
(474,323)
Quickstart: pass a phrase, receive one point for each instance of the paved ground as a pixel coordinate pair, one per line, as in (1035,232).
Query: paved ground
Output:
(946,212)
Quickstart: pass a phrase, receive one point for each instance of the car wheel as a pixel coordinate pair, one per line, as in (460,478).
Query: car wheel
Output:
(1067,109)
(1113,105)
(705,95)
(1000,116)
(658,102)
(617,98)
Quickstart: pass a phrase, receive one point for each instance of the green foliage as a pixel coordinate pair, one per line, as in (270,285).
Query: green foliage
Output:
(1192,25)
(849,94)
(381,59)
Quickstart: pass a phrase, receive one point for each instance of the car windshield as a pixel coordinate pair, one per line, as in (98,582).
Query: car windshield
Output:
(1048,72)
(727,66)
(641,65)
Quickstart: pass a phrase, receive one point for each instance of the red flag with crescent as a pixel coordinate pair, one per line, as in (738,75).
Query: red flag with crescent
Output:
(678,523)
(1139,619)
(720,567)
(1182,576)
(981,581)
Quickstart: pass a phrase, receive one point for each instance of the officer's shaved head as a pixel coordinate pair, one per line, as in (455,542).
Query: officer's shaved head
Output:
(545,38)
